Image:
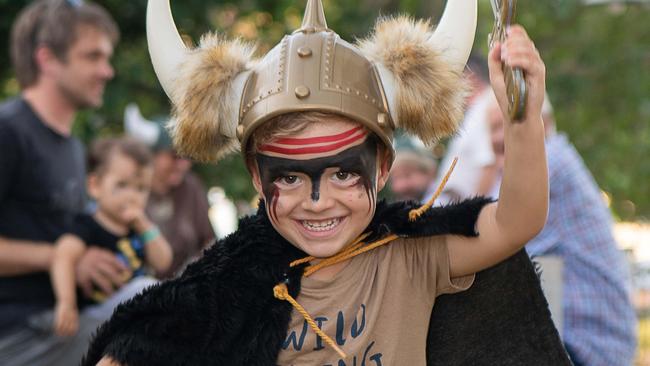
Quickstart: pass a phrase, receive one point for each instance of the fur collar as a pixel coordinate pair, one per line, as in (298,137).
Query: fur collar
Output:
(221,311)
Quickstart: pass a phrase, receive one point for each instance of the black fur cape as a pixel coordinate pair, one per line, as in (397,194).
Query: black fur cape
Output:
(222,311)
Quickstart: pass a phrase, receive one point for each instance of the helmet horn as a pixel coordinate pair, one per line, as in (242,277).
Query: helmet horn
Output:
(166,47)
(454,35)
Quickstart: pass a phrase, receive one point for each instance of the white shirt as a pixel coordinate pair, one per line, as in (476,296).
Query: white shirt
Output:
(473,147)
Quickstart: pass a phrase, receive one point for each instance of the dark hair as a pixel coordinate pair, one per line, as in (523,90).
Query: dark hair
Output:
(102,150)
(54,24)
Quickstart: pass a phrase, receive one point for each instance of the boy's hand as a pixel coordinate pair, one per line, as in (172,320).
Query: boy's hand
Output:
(66,320)
(518,51)
(137,219)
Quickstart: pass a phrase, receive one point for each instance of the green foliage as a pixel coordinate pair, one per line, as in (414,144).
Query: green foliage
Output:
(597,60)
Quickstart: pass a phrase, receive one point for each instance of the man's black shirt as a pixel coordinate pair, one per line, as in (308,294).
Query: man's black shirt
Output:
(42,189)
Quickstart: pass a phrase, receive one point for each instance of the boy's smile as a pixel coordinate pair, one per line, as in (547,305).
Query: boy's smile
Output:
(320,185)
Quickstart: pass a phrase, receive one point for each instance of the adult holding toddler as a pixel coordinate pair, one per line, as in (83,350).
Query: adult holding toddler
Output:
(120,176)
(60,51)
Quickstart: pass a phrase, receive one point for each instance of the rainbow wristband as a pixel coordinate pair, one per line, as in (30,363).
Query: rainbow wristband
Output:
(150,234)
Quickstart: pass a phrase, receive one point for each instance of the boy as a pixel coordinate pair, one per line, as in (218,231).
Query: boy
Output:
(315,120)
(120,173)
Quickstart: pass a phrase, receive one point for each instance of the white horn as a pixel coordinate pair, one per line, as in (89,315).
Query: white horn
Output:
(454,35)
(138,127)
(166,47)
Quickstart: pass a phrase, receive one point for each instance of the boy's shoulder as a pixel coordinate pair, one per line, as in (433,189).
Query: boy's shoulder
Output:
(458,218)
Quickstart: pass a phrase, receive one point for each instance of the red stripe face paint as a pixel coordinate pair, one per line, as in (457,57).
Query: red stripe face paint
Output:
(317,140)
(360,161)
(294,147)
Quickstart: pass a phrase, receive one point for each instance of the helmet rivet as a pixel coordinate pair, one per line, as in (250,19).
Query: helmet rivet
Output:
(240,132)
(382,120)
(304,52)
(302,92)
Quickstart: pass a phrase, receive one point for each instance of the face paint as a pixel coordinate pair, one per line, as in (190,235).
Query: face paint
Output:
(359,160)
(314,145)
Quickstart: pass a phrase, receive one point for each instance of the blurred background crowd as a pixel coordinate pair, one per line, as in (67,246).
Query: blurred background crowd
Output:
(595,248)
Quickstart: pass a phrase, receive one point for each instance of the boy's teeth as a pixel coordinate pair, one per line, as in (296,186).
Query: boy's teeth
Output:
(320,225)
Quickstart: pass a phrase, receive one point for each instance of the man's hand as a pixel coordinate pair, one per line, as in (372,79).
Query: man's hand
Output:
(101,268)
(519,51)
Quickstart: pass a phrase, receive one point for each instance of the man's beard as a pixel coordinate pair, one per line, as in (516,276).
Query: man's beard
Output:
(77,99)
(411,195)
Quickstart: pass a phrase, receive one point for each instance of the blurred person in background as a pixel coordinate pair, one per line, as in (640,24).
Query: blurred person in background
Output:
(414,169)
(222,212)
(61,54)
(471,144)
(120,171)
(599,320)
(178,203)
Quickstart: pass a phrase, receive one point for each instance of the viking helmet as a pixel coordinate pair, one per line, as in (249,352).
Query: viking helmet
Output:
(404,75)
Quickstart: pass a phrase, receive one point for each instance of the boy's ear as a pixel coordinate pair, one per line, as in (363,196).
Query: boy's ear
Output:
(384,169)
(92,184)
(255,175)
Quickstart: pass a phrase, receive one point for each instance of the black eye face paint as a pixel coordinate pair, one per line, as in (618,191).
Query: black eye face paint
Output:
(360,160)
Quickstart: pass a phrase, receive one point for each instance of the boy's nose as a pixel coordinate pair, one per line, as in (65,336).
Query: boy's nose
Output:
(319,199)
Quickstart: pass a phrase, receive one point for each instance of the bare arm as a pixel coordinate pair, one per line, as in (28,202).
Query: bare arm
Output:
(68,252)
(506,226)
(18,257)
(158,252)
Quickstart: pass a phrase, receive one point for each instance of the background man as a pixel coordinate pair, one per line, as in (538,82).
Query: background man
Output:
(61,52)
(599,321)
(471,144)
(414,169)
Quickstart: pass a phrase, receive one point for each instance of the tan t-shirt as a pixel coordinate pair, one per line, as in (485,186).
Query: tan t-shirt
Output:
(376,309)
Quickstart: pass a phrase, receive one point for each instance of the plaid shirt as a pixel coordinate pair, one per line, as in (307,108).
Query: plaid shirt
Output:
(599,319)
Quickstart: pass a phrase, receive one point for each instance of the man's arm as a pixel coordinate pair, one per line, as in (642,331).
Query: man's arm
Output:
(520,214)
(19,257)
(97,266)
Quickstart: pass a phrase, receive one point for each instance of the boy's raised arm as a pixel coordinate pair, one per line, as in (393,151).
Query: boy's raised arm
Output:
(506,226)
